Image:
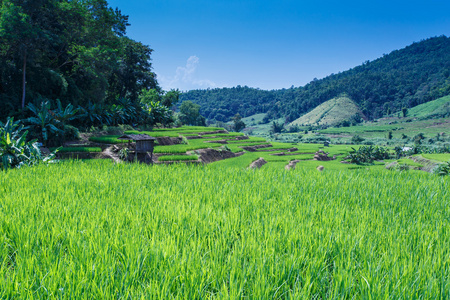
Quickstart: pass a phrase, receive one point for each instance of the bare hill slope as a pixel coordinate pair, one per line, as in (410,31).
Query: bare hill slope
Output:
(331,112)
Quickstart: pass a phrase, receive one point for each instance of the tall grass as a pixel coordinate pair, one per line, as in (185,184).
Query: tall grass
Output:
(104,231)
(107,139)
(194,144)
(178,158)
(80,149)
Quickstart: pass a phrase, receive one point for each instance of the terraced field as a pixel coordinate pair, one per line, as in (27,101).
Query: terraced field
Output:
(235,149)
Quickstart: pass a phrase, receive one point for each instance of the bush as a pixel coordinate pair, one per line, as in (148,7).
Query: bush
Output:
(368,154)
(71,133)
(356,139)
(443,169)
(15,150)
(124,153)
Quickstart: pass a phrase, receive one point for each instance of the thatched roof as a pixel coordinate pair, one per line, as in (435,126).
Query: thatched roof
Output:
(137,137)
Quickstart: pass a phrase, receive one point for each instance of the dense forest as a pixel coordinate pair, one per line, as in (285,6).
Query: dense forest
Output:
(404,78)
(74,51)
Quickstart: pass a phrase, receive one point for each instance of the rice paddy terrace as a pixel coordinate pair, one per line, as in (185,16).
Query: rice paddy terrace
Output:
(218,147)
(217,229)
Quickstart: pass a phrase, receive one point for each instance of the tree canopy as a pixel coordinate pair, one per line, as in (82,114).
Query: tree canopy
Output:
(404,78)
(75,51)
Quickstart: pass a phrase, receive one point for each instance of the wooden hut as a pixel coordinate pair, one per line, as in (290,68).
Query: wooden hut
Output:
(144,144)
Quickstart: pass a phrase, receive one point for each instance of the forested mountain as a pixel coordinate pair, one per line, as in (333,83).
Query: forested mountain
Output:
(404,78)
(75,51)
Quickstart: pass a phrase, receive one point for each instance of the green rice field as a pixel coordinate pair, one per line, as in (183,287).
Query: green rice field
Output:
(80,149)
(99,230)
(108,139)
(178,158)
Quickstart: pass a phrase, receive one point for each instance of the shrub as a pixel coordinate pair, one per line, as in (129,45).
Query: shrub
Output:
(367,154)
(71,133)
(356,139)
(15,150)
(124,153)
(443,169)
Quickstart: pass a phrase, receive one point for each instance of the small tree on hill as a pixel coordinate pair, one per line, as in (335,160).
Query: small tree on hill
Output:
(238,123)
(190,114)
(404,112)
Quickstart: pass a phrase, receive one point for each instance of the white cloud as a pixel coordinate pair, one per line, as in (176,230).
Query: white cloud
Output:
(185,78)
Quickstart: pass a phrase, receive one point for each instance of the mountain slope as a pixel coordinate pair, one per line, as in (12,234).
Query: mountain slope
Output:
(404,78)
(436,108)
(330,113)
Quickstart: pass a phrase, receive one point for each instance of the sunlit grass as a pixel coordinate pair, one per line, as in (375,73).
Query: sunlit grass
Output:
(99,230)
(178,158)
(80,149)
(438,157)
(107,139)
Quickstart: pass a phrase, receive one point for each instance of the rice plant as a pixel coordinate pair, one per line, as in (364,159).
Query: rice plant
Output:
(80,149)
(178,158)
(107,139)
(102,231)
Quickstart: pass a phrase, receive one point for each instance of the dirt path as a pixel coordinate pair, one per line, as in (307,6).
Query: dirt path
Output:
(108,153)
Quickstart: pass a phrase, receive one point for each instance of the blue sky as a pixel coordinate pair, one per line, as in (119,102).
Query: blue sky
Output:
(274,44)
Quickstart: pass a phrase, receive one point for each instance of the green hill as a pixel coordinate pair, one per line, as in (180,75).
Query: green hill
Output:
(332,112)
(407,77)
(436,108)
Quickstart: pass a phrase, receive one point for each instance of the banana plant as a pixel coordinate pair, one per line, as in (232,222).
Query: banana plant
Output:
(43,120)
(15,150)
(66,114)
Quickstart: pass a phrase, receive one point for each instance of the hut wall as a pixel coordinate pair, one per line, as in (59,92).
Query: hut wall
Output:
(144,146)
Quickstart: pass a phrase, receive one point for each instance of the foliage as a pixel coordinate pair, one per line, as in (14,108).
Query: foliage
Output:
(367,154)
(356,139)
(403,78)
(158,114)
(124,153)
(42,121)
(443,169)
(190,114)
(15,150)
(238,124)
(71,133)
(75,51)
(170,98)
(404,112)
(277,127)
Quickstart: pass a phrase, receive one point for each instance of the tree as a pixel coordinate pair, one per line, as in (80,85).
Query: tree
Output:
(149,96)
(75,51)
(277,127)
(190,114)
(171,98)
(238,124)
(23,33)
(157,113)
(404,112)
(133,73)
